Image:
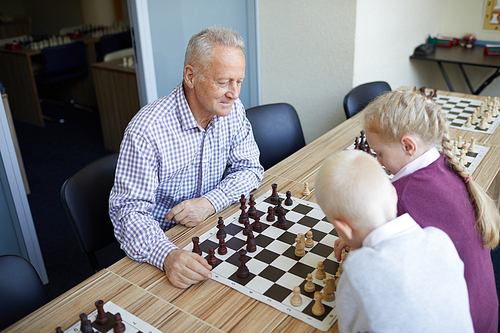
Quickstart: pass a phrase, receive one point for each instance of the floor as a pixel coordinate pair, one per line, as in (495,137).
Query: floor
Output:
(51,155)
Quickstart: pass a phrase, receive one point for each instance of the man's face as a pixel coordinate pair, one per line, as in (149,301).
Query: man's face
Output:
(219,86)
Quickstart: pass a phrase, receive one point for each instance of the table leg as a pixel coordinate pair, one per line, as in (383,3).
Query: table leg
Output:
(487,82)
(446,78)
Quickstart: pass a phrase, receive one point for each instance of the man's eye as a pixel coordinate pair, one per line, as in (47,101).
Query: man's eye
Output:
(223,83)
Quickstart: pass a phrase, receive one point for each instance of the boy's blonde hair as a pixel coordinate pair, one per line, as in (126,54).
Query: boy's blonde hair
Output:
(398,113)
(351,185)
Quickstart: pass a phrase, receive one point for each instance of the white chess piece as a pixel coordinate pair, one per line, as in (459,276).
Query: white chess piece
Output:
(494,18)
(468,123)
(472,144)
(497,5)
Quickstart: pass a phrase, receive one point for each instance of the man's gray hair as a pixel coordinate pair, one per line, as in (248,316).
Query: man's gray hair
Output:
(200,46)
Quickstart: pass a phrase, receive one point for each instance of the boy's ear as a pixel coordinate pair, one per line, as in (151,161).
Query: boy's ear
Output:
(409,145)
(344,228)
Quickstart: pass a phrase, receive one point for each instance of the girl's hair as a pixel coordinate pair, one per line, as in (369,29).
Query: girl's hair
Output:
(397,113)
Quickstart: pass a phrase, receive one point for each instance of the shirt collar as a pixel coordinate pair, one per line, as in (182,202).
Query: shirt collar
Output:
(186,117)
(419,163)
(400,225)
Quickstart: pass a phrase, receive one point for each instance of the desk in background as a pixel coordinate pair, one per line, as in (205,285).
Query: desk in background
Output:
(18,78)
(463,56)
(210,306)
(117,98)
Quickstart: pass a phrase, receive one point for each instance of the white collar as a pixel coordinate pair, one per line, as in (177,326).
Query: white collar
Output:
(401,224)
(420,162)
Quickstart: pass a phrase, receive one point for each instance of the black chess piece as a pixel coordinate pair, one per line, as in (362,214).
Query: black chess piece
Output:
(243,271)
(220,225)
(247,226)
(196,245)
(243,201)
(222,247)
(274,195)
(119,325)
(252,212)
(102,317)
(212,260)
(288,200)
(251,246)
(85,325)
(270,214)
(256,224)
(282,219)
(243,215)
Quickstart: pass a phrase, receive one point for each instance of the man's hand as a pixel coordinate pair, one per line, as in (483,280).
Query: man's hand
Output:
(184,268)
(191,212)
(338,246)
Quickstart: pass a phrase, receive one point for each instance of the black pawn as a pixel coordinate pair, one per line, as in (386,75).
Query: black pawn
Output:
(220,225)
(270,214)
(362,142)
(222,247)
(274,196)
(102,318)
(85,325)
(256,225)
(119,325)
(212,260)
(243,271)
(251,246)
(196,245)
(247,226)
(356,143)
(288,200)
(252,212)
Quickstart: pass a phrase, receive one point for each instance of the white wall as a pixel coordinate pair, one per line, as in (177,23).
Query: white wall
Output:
(387,32)
(307,58)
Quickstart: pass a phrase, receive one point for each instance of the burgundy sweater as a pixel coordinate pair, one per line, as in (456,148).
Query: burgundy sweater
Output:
(436,196)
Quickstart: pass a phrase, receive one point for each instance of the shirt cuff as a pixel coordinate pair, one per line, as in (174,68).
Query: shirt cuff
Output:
(160,252)
(218,198)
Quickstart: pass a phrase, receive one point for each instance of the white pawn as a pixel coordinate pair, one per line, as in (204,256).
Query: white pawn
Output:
(472,144)
(296,300)
(460,142)
(463,158)
(124,61)
(468,123)
(306,190)
(455,147)
(484,123)
(309,241)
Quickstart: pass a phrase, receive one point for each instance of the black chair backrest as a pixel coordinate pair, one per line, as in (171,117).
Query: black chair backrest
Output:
(85,197)
(114,42)
(21,290)
(277,131)
(63,62)
(359,97)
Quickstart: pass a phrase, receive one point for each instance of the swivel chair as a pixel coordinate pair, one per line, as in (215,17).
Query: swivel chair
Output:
(114,42)
(277,131)
(21,290)
(359,97)
(85,199)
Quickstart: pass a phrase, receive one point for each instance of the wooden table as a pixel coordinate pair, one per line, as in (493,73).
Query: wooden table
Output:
(463,56)
(117,98)
(210,306)
(17,69)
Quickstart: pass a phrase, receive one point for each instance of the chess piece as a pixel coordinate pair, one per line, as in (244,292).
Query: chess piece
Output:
(362,142)
(243,271)
(256,224)
(124,62)
(306,190)
(484,123)
(243,216)
(318,309)
(130,62)
(102,317)
(300,246)
(252,212)
(196,245)
(85,325)
(281,217)
(274,195)
(468,123)
(356,143)
(288,200)
(270,214)
(222,250)
(463,158)
(119,325)
(251,246)
(246,227)
(309,239)
(474,118)
(455,147)
(220,225)
(59,330)
(296,300)
(472,144)
(460,142)
(309,286)
(329,289)
(212,260)
(339,271)
(243,201)
(320,272)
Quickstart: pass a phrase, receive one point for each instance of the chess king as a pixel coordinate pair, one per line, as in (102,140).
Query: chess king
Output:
(174,153)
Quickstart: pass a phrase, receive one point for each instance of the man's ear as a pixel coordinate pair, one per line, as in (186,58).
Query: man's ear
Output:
(409,145)
(189,76)
(344,228)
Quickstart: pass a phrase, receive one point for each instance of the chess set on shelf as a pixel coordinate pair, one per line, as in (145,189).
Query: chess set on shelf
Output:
(284,258)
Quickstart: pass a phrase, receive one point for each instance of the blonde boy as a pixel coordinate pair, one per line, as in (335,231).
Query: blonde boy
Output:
(398,277)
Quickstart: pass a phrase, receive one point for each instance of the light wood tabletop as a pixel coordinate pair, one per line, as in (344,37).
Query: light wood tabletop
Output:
(210,306)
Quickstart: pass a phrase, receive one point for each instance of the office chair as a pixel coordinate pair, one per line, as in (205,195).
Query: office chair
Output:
(85,199)
(60,65)
(21,290)
(114,42)
(277,131)
(359,97)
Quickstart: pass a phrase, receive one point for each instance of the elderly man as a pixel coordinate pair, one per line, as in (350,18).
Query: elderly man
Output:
(174,153)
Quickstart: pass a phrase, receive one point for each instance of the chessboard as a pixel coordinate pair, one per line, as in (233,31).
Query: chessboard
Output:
(274,269)
(458,109)
(131,322)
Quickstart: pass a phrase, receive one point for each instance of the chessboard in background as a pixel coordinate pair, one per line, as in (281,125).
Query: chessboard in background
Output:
(459,109)
(274,269)
(131,322)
